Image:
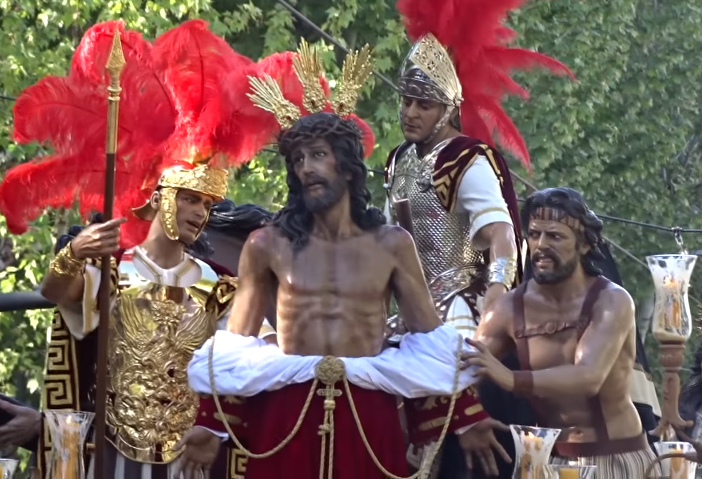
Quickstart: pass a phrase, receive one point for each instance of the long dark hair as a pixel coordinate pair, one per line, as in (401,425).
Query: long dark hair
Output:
(572,204)
(295,221)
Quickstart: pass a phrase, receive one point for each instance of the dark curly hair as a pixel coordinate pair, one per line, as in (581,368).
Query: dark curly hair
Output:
(295,220)
(572,204)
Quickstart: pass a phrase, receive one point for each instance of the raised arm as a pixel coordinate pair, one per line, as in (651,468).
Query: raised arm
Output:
(256,283)
(408,284)
(612,325)
(65,282)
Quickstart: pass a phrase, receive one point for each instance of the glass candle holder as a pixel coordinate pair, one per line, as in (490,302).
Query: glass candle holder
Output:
(533,447)
(69,430)
(676,467)
(672,320)
(8,468)
(570,472)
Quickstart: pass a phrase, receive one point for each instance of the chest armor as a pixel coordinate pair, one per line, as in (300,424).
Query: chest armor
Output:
(450,263)
(154,330)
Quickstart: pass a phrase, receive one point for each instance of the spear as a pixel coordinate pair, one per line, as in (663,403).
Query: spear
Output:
(115,64)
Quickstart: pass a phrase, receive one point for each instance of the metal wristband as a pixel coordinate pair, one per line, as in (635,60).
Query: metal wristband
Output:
(523,383)
(65,263)
(502,271)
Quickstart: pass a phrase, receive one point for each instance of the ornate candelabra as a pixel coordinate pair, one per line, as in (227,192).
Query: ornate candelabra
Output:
(671,326)
(8,468)
(533,447)
(69,430)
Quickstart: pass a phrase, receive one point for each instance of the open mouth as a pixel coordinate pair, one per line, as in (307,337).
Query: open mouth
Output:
(194,224)
(544,262)
(410,127)
(313,186)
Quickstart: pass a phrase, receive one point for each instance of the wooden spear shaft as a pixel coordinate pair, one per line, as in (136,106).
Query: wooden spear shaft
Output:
(115,64)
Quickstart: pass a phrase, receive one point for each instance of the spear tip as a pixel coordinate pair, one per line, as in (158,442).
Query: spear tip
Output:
(116,61)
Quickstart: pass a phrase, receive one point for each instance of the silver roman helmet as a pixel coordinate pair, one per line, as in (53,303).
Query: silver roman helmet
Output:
(428,73)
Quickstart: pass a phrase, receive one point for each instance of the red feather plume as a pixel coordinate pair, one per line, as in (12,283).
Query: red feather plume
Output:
(69,115)
(172,104)
(483,61)
(198,66)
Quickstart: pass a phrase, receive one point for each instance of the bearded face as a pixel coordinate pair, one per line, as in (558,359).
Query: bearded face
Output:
(555,251)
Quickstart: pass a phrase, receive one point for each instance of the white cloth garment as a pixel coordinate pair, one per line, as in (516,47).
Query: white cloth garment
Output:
(423,365)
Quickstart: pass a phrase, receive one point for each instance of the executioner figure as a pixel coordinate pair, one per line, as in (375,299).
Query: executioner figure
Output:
(324,403)
(170,172)
(575,335)
(446,183)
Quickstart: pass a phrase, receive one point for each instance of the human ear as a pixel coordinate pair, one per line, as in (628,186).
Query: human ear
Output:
(155,200)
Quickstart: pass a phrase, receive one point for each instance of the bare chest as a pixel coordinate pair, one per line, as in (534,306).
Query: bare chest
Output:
(549,334)
(354,268)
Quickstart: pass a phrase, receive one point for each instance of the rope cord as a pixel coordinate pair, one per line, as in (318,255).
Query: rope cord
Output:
(327,428)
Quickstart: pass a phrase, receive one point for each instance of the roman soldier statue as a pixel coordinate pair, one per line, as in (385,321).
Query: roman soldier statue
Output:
(176,141)
(447,183)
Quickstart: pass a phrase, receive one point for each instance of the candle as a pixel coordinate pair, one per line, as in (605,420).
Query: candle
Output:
(568,473)
(67,464)
(678,468)
(532,446)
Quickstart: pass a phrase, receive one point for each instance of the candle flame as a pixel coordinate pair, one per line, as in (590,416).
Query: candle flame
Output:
(668,281)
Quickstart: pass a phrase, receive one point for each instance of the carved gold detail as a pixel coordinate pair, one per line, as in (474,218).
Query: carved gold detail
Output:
(356,70)
(434,61)
(65,263)
(154,331)
(268,96)
(202,178)
(308,68)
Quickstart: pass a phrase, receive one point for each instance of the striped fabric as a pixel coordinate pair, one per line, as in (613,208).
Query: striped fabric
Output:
(630,465)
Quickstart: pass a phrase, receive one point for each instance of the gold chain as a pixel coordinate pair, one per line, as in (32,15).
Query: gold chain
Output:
(328,425)
(426,465)
(284,442)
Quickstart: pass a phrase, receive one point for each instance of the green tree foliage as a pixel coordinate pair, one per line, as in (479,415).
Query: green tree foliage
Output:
(626,134)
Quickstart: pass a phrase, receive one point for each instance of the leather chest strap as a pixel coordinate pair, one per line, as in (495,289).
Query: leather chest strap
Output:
(522,344)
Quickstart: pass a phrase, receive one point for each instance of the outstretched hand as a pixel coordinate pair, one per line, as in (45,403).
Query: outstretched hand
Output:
(201,449)
(487,365)
(480,441)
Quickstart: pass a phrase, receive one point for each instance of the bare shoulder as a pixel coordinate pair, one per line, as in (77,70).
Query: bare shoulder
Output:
(616,302)
(395,238)
(263,240)
(504,305)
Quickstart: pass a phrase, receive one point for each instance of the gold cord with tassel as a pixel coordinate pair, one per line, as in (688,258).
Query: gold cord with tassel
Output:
(331,370)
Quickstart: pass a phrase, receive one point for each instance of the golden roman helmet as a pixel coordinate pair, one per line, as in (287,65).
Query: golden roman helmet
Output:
(196,176)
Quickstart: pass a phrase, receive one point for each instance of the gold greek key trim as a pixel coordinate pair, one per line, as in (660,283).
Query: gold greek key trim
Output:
(472,410)
(236,421)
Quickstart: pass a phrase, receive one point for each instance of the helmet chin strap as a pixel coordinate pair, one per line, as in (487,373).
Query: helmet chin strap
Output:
(439,125)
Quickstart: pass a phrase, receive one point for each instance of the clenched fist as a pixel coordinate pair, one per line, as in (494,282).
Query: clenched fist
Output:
(97,240)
